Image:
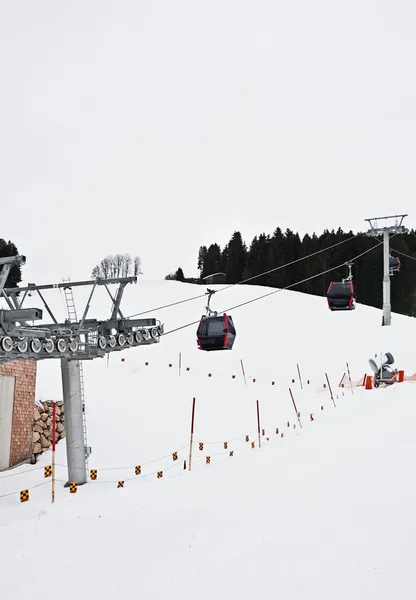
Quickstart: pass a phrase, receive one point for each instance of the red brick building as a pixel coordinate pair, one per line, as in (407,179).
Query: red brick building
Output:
(17,398)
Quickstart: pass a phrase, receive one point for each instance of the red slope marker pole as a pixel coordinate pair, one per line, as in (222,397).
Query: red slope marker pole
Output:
(296,410)
(192,433)
(180,363)
(258,423)
(242,368)
(349,378)
(300,378)
(53,449)
(330,389)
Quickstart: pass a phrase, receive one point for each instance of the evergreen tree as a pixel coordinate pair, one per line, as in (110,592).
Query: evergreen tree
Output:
(201,257)
(212,261)
(258,259)
(15,274)
(266,253)
(224,259)
(276,250)
(405,279)
(179,275)
(236,258)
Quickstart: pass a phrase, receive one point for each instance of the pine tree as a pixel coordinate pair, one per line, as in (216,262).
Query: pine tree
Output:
(224,259)
(236,258)
(15,274)
(179,275)
(259,259)
(266,253)
(212,261)
(276,252)
(201,257)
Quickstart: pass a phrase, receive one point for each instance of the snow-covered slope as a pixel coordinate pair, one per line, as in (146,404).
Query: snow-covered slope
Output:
(324,511)
(273,334)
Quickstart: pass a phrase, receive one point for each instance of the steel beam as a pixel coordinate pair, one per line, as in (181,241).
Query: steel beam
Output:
(111,296)
(117,300)
(70,284)
(25,314)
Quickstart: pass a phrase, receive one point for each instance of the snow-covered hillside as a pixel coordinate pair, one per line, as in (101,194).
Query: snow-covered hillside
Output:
(273,334)
(324,511)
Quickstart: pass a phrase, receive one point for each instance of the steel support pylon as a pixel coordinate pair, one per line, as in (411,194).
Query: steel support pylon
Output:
(74,423)
(385,230)
(386,279)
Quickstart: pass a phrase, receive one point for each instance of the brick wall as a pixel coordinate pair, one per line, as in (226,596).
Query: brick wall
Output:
(24,372)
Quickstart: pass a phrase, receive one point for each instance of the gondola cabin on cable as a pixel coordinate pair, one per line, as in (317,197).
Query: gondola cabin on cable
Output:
(341,294)
(394,264)
(215,332)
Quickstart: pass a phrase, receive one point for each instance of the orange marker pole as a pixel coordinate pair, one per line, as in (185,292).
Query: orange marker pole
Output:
(258,423)
(330,389)
(192,433)
(349,378)
(300,378)
(242,368)
(341,380)
(295,407)
(53,449)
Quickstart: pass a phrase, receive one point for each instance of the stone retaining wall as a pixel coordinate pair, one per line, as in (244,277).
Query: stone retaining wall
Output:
(42,427)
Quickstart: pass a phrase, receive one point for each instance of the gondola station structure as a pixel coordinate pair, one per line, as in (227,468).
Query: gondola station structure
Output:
(71,341)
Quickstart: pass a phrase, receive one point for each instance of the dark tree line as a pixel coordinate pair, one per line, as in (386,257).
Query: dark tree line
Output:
(266,252)
(15,275)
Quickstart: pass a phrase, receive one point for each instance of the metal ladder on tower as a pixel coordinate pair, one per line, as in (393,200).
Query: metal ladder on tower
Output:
(73,318)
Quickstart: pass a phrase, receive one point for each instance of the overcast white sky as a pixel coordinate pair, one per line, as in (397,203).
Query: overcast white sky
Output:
(153,127)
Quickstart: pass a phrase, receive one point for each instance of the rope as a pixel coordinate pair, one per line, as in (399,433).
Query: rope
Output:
(30,488)
(21,473)
(142,475)
(236,439)
(141,464)
(249,278)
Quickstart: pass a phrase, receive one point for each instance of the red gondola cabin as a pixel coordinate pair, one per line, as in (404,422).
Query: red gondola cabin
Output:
(341,295)
(216,332)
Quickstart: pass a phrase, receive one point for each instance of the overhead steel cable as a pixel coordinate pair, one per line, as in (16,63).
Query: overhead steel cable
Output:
(292,262)
(167,305)
(289,264)
(281,289)
(403,253)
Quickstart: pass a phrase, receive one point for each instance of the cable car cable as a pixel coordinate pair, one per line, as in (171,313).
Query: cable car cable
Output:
(168,305)
(280,289)
(289,263)
(248,278)
(403,254)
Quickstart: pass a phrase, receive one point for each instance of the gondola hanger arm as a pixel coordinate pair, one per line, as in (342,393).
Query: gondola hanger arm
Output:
(210,312)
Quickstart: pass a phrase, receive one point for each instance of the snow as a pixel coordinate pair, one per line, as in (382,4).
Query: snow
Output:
(325,511)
